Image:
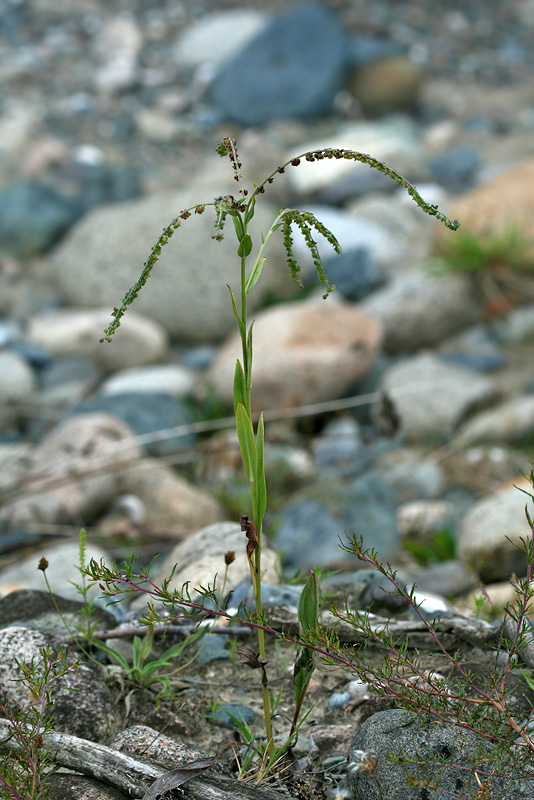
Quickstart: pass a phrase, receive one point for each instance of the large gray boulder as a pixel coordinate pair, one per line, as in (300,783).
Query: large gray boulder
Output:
(103,257)
(399,738)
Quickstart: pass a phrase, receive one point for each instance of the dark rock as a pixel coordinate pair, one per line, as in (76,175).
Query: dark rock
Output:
(294,68)
(223,715)
(28,606)
(340,449)
(379,596)
(307,536)
(211,647)
(370,512)
(457,169)
(36,356)
(67,787)
(447,578)
(103,184)
(144,413)
(354,273)
(33,217)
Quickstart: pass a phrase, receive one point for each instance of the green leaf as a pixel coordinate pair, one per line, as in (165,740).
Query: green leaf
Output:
(240,387)
(245,434)
(254,274)
(242,328)
(245,246)
(261,487)
(249,213)
(308,609)
(238,225)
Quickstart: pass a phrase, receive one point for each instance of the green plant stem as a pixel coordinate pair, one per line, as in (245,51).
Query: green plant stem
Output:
(256,558)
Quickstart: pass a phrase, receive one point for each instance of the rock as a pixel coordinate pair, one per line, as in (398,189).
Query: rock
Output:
(484,468)
(393,140)
(33,217)
(19,125)
(500,206)
(99,184)
(340,448)
(117,47)
(515,327)
(170,379)
(432,397)
(354,273)
(171,504)
(227,714)
(386,85)
(186,293)
(422,518)
(446,578)
(295,67)
(456,169)
(65,332)
(66,786)
(32,608)
(152,416)
(81,700)
(418,310)
(63,560)
(17,385)
(489,537)
(411,475)
(510,423)
(474,349)
(307,537)
(72,474)
(200,557)
(369,512)
(218,36)
(353,232)
(303,353)
(66,380)
(399,734)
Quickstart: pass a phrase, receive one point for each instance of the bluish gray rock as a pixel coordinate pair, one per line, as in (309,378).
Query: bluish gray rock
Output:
(456,169)
(292,69)
(307,536)
(146,414)
(339,448)
(33,217)
(226,715)
(354,272)
(370,512)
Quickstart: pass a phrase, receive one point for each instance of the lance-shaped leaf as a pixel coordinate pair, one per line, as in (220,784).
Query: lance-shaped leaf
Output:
(242,328)
(254,274)
(245,246)
(245,434)
(176,777)
(308,613)
(238,225)
(308,608)
(249,213)
(261,487)
(240,387)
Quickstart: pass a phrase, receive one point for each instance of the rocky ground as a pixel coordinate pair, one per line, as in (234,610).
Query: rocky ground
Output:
(401,409)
